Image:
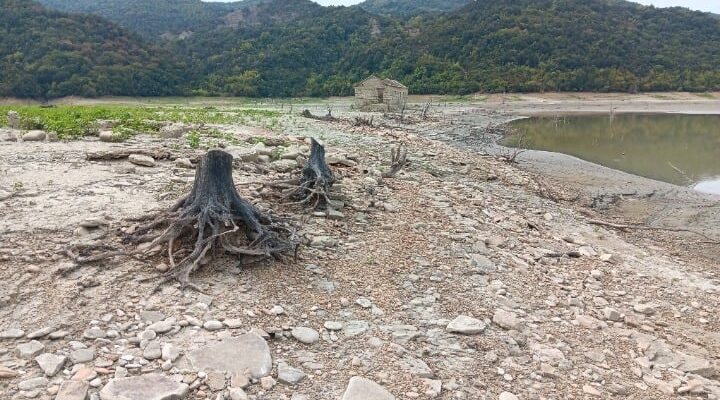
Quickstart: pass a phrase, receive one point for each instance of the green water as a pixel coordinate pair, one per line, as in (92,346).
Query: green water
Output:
(657,146)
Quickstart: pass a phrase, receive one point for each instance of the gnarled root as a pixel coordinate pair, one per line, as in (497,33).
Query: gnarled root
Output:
(314,186)
(213,216)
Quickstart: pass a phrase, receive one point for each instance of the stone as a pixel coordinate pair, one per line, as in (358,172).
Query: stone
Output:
(13,333)
(363,302)
(237,394)
(34,136)
(51,364)
(7,373)
(364,389)
(235,355)
(333,325)
(174,131)
(277,310)
(30,349)
(354,328)
(697,366)
(612,314)
(152,351)
(170,352)
(141,160)
(161,326)
(644,308)
(507,396)
(482,264)
(239,380)
(306,335)
(33,383)
(466,325)
(289,375)
(591,390)
(283,165)
(417,367)
(144,387)
(184,163)
(233,323)
(106,136)
(73,390)
(246,154)
(216,381)
(94,333)
(506,320)
(82,356)
(267,382)
(41,332)
(213,325)
(334,214)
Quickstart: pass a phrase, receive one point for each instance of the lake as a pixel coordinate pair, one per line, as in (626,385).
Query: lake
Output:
(679,149)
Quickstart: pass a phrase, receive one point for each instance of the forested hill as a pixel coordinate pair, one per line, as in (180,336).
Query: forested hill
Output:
(299,48)
(50,54)
(411,7)
(153,18)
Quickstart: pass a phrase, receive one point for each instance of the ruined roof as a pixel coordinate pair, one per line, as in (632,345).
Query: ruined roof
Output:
(386,82)
(394,83)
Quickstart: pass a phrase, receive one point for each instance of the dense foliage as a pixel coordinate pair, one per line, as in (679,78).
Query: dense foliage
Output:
(411,7)
(48,54)
(298,48)
(154,17)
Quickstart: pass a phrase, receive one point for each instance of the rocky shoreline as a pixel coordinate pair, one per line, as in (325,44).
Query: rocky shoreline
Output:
(463,278)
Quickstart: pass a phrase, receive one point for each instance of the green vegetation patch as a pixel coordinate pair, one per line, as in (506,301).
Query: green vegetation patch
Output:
(78,121)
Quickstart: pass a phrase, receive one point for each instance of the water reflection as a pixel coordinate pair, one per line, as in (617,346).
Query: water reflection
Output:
(680,149)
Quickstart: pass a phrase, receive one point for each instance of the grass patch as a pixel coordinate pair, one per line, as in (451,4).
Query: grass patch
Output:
(77,121)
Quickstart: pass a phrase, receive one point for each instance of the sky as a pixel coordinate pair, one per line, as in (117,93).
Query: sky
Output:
(702,5)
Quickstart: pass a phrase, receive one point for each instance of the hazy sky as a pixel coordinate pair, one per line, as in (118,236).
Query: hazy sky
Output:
(703,5)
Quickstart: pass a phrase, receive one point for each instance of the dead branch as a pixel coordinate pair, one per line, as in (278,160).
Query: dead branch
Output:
(398,160)
(118,154)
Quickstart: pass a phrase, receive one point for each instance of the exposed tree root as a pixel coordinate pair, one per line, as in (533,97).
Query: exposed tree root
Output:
(213,216)
(314,186)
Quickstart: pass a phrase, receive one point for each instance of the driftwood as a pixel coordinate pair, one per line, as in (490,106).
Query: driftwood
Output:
(307,114)
(212,216)
(624,227)
(109,155)
(398,160)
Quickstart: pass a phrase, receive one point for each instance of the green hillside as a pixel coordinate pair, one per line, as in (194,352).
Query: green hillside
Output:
(50,54)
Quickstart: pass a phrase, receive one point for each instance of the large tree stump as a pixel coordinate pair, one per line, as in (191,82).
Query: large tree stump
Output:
(212,216)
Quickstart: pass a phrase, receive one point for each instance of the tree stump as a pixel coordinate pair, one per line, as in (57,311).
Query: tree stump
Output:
(212,216)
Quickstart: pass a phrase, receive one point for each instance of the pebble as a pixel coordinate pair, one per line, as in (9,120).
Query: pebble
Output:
(170,352)
(644,308)
(213,325)
(364,302)
(40,333)
(141,160)
(306,335)
(161,326)
(507,320)
(14,333)
(289,375)
(507,396)
(612,314)
(30,349)
(82,356)
(277,310)
(152,351)
(51,364)
(267,382)
(333,325)
(237,394)
(33,383)
(466,325)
